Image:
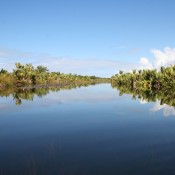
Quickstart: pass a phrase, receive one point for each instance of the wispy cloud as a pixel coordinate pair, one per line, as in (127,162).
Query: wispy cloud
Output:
(94,66)
(135,50)
(98,67)
(2,54)
(125,50)
(8,58)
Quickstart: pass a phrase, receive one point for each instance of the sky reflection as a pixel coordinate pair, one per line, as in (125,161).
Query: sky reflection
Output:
(102,93)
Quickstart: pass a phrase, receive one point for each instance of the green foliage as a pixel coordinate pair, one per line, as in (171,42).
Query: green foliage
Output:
(28,75)
(3,71)
(120,72)
(6,79)
(165,78)
(24,74)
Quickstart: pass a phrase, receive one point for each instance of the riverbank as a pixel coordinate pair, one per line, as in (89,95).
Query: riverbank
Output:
(26,75)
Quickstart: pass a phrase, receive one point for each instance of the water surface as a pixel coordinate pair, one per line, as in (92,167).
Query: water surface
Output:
(86,131)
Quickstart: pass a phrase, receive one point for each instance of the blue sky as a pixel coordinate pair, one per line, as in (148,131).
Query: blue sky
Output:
(87,37)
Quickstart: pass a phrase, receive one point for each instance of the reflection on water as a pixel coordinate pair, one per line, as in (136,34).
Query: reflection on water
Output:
(163,100)
(88,130)
(167,110)
(28,93)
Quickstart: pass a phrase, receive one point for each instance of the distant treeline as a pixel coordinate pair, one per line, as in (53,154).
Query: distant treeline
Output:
(28,75)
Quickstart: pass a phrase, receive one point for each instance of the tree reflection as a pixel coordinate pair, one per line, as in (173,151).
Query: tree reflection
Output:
(29,93)
(148,94)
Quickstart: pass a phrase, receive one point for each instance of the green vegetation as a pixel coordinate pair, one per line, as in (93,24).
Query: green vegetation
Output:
(24,75)
(148,85)
(147,79)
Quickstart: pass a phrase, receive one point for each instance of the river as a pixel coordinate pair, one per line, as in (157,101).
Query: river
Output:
(85,131)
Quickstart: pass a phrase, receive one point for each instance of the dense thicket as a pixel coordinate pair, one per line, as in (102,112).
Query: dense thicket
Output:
(146,79)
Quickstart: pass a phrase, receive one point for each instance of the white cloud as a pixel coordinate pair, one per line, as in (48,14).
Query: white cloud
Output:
(144,63)
(161,58)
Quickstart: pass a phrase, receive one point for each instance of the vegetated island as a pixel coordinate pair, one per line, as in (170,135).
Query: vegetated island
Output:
(148,85)
(27,75)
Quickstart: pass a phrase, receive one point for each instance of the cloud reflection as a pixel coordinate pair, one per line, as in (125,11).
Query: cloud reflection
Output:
(167,110)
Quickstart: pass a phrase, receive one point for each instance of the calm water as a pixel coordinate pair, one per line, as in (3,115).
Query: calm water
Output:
(86,131)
